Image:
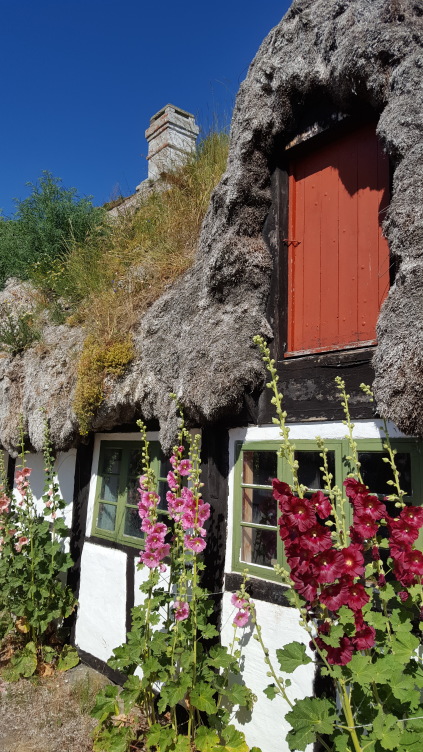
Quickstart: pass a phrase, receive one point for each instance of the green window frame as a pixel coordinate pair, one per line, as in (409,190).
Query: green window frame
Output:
(116,515)
(256,543)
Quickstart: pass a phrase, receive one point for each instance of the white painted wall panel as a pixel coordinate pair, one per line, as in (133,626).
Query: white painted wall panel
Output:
(100,625)
(266,727)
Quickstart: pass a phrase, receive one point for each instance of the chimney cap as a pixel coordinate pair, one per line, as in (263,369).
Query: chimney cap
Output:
(171,107)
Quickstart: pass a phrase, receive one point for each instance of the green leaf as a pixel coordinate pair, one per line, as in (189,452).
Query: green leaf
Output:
(112,740)
(131,692)
(68,659)
(234,740)
(309,717)
(271,691)
(342,743)
(238,694)
(386,730)
(201,696)
(173,692)
(106,704)
(183,744)
(160,737)
(209,631)
(404,646)
(291,656)
(206,739)
(219,657)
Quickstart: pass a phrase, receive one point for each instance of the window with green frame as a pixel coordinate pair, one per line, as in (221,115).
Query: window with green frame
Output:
(256,543)
(116,515)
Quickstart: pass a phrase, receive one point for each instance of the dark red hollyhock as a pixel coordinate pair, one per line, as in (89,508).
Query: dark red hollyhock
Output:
(365,526)
(336,595)
(375,553)
(329,565)
(282,493)
(354,487)
(306,585)
(413,562)
(321,504)
(399,549)
(403,595)
(337,656)
(381,580)
(366,503)
(301,515)
(365,635)
(404,576)
(413,516)
(353,560)
(317,538)
(357,597)
(403,532)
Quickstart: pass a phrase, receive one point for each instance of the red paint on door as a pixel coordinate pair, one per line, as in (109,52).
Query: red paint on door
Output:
(338,259)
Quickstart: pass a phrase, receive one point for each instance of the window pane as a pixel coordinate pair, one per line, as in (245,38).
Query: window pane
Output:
(165,467)
(259,468)
(132,523)
(259,546)
(111,461)
(258,506)
(135,460)
(106,517)
(132,495)
(375,472)
(309,473)
(109,487)
(163,489)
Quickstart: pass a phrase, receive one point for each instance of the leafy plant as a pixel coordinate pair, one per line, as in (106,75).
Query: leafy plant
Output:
(171,656)
(33,599)
(17,330)
(359,593)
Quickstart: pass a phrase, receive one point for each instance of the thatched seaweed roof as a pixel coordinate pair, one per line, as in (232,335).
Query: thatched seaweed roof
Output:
(196,339)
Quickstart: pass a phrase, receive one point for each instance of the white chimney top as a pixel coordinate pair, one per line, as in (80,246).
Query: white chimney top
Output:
(172,135)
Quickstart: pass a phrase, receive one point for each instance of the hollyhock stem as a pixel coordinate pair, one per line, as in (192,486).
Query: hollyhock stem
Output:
(334,494)
(340,383)
(280,684)
(349,717)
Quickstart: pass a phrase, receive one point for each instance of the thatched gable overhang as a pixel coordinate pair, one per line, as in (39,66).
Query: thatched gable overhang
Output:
(196,339)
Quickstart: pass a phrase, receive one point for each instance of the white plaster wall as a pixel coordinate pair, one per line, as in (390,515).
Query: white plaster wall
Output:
(100,625)
(266,726)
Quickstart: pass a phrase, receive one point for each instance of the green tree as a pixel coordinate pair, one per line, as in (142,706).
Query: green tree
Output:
(44,227)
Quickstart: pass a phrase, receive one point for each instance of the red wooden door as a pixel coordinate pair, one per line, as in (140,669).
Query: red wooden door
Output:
(338,259)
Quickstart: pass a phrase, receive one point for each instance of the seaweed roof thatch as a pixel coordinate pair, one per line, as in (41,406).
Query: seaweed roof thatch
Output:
(196,340)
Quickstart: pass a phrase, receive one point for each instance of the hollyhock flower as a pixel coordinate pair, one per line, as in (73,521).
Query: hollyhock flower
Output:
(282,493)
(334,596)
(159,527)
(317,538)
(354,487)
(200,531)
(185,467)
(357,597)
(163,550)
(22,541)
(364,638)
(402,531)
(403,595)
(353,560)
(194,544)
(414,562)
(188,495)
(404,576)
(301,515)
(366,503)
(181,610)
(337,656)
(176,508)
(146,525)
(321,504)
(154,540)
(187,520)
(170,497)
(241,618)
(375,553)
(399,549)
(142,482)
(4,504)
(150,559)
(238,602)
(329,565)
(48,504)
(413,516)
(143,510)
(203,511)
(171,481)
(365,526)
(381,580)
(174,461)
(306,585)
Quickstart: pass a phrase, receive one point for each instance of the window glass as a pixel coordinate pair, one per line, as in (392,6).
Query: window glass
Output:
(109,487)
(376,472)
(259,546)
(259,468)
(310,464)
(259,506)
(106,516)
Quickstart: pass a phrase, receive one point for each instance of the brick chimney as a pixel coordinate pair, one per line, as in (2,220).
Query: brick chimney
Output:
(172,135)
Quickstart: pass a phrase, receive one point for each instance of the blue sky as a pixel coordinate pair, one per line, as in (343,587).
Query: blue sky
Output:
(81,79)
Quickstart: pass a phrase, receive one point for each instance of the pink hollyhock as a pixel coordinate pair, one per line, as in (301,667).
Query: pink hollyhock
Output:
(160,528)
(146,525)
(154,540)
(174,461)
(366,503)
(353,560)
(188,496)
(171,481)
(150,559)
(301,515)
(203,511)
(354,487)
(317,538)
(185,467)
(4,504)
(143,510)
(329,565)
(163,550)
(239,602)
(321,504)
(142,482)
(357,597)
(187,520)
(194,544)
(334,596)
(181,610)
(241,618)
(22,541)
(413,516)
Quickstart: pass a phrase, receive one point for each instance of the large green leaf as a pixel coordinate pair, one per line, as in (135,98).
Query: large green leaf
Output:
(106,704)
(201,696)
(309,717)
(291,656)
(113,740)
(234,740)
(68,659)
(206,739)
